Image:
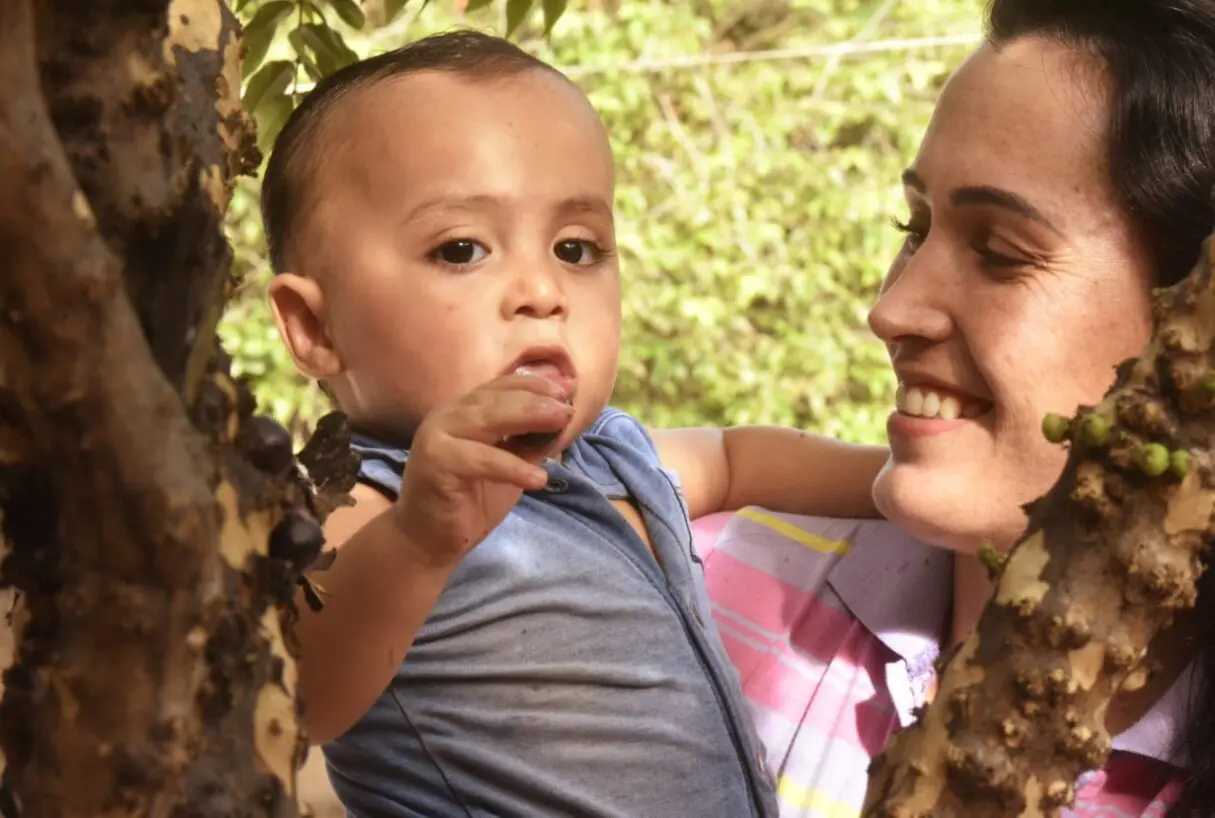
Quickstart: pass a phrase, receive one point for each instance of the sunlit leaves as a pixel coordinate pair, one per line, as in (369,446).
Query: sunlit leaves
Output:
(320,49)
(270,81)
(553,9)
(265,97)
(350,12)
(392,9)
(260,31)
(271,116)
(516,13)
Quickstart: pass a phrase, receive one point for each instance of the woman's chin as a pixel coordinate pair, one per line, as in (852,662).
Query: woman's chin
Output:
(939,508)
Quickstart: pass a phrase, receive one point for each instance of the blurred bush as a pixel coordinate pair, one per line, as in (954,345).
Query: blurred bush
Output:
(754,198)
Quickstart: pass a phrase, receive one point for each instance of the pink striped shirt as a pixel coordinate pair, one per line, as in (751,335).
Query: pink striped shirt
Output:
(833,626)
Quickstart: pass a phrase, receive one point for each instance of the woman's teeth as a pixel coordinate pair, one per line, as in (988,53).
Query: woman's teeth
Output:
(925,403)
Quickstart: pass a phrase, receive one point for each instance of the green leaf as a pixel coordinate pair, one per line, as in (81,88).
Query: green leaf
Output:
(270,81)
(516,13)
(271,115)
(344,54)
(476,5)
(259,34)
(350,13)
(553,9)
(321,49)
(306,56)
(392,8)
(327,46)
(240,6)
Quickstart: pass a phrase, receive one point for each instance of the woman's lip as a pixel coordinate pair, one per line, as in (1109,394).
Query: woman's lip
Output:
(910,426)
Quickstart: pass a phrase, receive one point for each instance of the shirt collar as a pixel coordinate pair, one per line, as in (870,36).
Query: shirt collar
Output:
(897,587)
(900,589)
(1159,732)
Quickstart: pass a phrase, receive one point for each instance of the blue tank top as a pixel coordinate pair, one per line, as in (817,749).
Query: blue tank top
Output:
(566,670)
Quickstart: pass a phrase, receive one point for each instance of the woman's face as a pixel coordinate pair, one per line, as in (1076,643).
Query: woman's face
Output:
(1021,286)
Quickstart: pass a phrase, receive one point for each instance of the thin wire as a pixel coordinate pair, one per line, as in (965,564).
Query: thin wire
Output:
(844,49)
(838,50)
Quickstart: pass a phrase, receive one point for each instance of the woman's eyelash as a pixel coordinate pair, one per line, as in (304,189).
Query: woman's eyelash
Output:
(914,233)
(991,259)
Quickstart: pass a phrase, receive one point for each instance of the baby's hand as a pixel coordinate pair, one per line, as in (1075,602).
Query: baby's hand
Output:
(461,481)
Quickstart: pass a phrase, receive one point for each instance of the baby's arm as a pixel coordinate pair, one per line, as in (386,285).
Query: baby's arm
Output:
(394,559)
(778,468)
(377,595)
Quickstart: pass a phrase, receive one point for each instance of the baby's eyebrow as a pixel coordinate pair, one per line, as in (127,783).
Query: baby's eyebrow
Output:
(450,202)
(593,205)
(571,206)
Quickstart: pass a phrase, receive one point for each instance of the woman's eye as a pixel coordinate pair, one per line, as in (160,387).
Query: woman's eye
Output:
(915,235)
(459,252)
(1001,255)
(577,251)
(994,259)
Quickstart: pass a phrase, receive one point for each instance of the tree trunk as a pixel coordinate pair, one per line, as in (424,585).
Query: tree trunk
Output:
(1113,552)
(138,491)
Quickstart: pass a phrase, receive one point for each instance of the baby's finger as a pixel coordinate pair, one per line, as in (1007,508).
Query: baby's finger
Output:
(533,446)
(499,415)
(482,462)
(526,382)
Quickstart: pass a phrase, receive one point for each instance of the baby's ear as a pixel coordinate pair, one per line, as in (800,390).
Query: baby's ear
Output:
(299,306)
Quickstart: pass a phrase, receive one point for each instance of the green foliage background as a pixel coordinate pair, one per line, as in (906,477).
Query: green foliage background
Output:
(754,199)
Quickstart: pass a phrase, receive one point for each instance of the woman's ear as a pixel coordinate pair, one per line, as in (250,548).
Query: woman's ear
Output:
(299,304)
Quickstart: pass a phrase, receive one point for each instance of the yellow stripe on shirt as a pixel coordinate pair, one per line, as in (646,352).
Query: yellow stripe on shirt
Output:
(806,798)
(811,541)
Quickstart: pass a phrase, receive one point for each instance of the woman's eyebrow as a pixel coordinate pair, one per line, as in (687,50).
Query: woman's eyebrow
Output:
(985,195)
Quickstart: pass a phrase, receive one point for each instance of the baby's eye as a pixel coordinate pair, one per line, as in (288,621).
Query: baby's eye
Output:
(459,252)
(577,251)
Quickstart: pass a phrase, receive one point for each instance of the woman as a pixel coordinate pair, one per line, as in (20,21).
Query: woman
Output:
(1067,170)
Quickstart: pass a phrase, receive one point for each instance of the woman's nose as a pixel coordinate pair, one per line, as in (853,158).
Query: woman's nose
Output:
(913,304)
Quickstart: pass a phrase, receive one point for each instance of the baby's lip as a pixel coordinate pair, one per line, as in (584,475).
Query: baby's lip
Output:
(550,363)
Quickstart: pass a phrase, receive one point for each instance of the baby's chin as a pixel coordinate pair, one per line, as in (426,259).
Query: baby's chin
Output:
(586,412)
(946,510)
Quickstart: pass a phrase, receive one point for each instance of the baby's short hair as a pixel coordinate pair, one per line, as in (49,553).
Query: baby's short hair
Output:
(294,158)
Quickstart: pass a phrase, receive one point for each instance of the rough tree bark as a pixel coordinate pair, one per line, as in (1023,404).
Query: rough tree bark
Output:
(156,527)
(1112,553)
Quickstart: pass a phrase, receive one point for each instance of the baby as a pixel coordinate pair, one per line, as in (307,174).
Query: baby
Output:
(516,624)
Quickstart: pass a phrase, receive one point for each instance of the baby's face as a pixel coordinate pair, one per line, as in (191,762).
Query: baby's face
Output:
(464,227)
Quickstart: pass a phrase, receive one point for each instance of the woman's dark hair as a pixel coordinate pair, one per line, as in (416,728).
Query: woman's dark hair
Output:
(1160,55)
(1160,59)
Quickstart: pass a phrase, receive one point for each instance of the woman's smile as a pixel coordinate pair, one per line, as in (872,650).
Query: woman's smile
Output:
(926,409)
